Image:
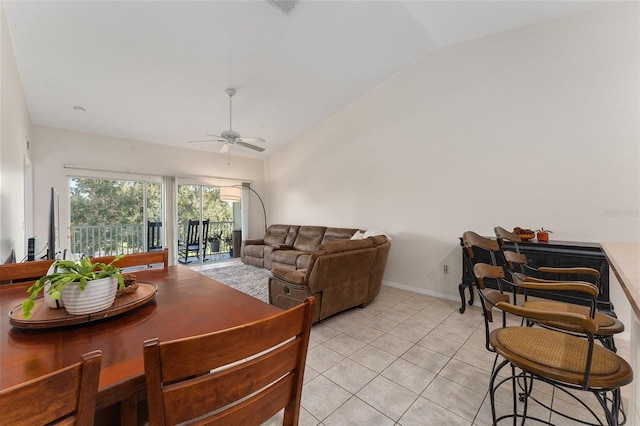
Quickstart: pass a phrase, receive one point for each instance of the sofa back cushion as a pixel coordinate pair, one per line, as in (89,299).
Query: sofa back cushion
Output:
(345,245)
(337,234)
(276,234)
(309,238)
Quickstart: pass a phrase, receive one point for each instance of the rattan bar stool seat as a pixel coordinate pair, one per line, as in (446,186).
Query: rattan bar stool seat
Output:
(561,357)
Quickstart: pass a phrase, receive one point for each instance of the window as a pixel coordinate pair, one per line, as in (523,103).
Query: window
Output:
(109,216)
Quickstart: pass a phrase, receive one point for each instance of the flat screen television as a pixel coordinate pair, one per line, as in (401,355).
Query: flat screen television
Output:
(53,244)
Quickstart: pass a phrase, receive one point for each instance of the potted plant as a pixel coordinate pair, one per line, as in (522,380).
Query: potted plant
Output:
(215,242)
(84,287)
(542,235)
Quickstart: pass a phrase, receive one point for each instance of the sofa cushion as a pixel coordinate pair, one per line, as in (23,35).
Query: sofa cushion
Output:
(338,246)
(359,235)
(276,234)
(378,239)
(302,262)
(309,238)
(333,234)
(286,257)
(254,250)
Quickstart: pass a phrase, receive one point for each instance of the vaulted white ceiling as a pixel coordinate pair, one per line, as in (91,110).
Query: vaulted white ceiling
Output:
(156,70)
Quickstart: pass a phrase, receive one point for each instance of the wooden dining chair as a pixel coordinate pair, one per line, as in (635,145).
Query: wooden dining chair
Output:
(149,258)
(22,273)
(66,396)
(239,376)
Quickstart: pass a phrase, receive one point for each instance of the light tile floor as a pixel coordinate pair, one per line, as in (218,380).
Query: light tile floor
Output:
(409,359)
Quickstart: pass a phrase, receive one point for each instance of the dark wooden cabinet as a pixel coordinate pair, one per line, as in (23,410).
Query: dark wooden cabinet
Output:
(557,254)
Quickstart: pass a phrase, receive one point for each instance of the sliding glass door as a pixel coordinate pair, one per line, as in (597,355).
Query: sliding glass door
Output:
(205,224)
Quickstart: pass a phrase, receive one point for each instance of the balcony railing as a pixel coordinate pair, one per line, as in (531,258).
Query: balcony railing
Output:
(110,240)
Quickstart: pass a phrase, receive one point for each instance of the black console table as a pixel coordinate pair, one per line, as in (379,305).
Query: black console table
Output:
(559,254)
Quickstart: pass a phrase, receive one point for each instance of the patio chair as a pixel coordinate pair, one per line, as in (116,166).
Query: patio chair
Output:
(192,244)
(154,236)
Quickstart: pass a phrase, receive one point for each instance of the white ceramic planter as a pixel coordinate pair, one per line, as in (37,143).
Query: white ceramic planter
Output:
(97,295)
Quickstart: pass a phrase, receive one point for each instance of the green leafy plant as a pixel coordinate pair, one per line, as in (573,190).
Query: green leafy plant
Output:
(544,230)
(216,236)
(69,271)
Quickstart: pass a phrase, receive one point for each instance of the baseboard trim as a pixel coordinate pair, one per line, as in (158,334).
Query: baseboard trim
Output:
(625,335)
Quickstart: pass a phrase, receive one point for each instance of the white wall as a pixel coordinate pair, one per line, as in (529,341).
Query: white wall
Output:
(53,149)
(14,130)
(535,128)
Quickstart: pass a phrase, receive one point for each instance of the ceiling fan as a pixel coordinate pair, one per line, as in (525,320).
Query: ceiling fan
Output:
(231,137)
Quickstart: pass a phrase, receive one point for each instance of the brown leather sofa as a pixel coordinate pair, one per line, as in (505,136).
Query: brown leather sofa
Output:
(340,274)
(290,245)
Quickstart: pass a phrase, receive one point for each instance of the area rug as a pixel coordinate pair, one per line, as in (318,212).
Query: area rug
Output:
(248,279)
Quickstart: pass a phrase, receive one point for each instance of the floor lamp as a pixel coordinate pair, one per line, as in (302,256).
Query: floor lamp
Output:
(234,193)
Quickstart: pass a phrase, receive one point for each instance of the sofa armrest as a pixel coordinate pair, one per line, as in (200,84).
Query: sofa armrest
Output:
(290,275)
(253,243)
(282,246)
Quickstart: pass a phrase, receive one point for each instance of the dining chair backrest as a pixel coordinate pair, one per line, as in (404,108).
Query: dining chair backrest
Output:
(473,241)
(137,259)
(12,273)
(66,396)
(503,235)
(242,375)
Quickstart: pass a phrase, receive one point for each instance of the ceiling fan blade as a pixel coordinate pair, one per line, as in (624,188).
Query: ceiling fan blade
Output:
(250,140)
(248,145)
(224,148)
(214,136)
(208,140)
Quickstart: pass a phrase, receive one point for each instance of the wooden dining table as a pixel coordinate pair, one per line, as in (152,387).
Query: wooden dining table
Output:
(187,303)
